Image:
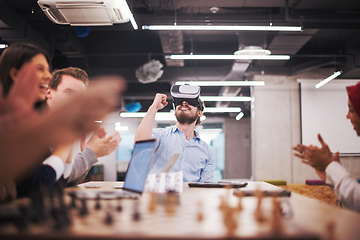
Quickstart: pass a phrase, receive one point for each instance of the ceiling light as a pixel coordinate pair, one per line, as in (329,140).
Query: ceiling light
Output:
(165,117)
(2,45)
(328,79)
(118,127)
(221,110)
(229,57)
(160,116)
(128,13)
(133,115)
(169,115)
(224,99)
(239,116)
(133,22)
(250,50)
(221,28)
(222,83)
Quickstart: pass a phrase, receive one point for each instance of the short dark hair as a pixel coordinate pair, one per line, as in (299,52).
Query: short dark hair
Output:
(201,108)
(71,71)
(14,57)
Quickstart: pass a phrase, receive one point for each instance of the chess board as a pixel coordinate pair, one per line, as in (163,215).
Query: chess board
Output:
(193,214)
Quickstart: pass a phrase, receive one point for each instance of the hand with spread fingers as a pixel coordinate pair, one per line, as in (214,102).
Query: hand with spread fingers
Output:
(318,158)
(102,145)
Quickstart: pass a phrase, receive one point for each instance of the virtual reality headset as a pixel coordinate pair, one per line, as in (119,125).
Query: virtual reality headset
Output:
(187,93)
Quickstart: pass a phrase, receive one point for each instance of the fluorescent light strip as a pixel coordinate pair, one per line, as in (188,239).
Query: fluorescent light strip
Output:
(165,114)
(160,116)
(118,127)
(222,83)
(220,28)
(133,115)
(133,22)
(328,79)
(221,110)
(123,5)
(239,116)
(224,99)
(2,45)
(122,128)
(229,57)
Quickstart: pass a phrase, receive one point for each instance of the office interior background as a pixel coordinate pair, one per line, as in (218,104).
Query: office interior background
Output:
(254,140)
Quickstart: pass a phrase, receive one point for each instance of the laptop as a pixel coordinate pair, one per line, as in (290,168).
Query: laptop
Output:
(142,158)
(141,161)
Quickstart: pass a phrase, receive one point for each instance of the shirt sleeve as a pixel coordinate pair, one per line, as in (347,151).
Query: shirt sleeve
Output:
(82,163)
(346,188)
(156,133)
(57,164)
(45,175)
(207,173)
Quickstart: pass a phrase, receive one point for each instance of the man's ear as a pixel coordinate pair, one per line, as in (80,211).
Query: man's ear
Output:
(49,93)
(13,73)
(200,113)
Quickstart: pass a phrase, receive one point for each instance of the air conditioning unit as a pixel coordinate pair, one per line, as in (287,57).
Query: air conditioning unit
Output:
(86,12)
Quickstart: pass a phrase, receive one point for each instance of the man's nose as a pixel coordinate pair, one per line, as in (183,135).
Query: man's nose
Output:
(184,103)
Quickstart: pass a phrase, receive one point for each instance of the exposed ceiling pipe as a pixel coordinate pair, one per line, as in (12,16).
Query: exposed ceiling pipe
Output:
(172,42)
(236,73)
(334,18)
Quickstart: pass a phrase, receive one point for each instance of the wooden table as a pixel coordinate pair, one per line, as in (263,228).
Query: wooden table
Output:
(309,218)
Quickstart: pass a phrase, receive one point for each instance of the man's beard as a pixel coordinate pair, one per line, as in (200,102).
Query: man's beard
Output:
(184,118)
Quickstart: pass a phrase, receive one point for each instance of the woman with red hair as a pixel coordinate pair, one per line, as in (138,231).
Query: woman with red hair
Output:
(328,166)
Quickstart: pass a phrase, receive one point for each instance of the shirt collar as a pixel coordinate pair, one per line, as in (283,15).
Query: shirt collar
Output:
(175,129)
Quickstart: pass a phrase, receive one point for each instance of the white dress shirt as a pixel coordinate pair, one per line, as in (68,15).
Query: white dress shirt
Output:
(346,187)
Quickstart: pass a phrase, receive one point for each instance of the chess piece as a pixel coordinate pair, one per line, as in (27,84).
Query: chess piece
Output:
(223,203)
(38,209)
(276,224)
(73,199)
(258,213)
(200,215)
(230,220)
(109,217)
(97,202)
(170,203)
(240,196)
(119,207)
(25,218)
(152,203)
(83,209)
(330,230)
(136,214)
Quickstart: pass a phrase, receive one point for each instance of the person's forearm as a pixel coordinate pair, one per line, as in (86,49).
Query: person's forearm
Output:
(346,188)
(144,130)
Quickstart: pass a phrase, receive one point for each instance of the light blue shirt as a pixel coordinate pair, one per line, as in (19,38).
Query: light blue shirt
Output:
(196,160)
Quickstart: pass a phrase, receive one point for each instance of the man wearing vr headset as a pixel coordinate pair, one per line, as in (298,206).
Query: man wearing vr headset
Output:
(197,158)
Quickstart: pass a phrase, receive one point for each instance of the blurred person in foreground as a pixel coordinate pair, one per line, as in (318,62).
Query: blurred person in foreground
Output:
(26,134)
(328,166)
(64,83)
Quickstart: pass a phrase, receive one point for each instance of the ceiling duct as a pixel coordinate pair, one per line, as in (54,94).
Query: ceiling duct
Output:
(238,70)
(172,43)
